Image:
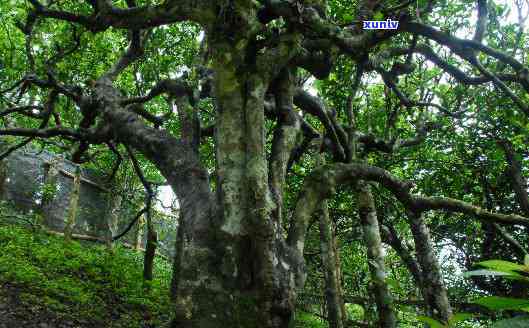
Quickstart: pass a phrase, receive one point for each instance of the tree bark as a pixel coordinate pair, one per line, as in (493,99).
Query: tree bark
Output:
(433,287)
(285,137)
(375,255)
(328,258)
(150,248)
(339,286)
(177,261)
(390,236)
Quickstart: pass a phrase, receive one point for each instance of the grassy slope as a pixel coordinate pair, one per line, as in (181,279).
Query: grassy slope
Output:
(83,284)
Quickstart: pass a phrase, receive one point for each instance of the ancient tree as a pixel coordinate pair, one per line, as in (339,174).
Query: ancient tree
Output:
(241,260)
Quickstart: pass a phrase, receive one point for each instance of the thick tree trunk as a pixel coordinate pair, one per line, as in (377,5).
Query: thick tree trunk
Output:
(258,279)
(243,273)
(375,255)
(328,258)
(433,287)
(238,271)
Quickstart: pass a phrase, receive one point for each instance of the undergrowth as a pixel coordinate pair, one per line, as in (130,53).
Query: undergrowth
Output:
(83,282)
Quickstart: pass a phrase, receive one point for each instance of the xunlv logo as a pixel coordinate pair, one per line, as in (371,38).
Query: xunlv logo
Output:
(381,25)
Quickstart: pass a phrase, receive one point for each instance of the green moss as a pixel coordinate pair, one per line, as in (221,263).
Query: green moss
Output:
(226,76)
(307,320)
(82,281)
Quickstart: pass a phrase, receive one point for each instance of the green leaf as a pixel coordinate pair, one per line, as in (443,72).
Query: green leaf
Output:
(502,303)
(504,266)
(378,16)
(431,322)
(393,283)
(347,17)
(518,322)
(485,273)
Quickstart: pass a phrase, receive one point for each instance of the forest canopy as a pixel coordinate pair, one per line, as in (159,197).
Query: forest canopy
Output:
(323,172)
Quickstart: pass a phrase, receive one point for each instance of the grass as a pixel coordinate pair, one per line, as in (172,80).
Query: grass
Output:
(307,320)
(82,282)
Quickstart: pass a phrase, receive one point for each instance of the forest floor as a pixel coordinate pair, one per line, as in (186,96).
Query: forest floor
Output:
(46,282)
(16,311)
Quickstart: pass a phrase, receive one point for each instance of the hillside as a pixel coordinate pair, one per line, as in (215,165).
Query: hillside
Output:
(47,283)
